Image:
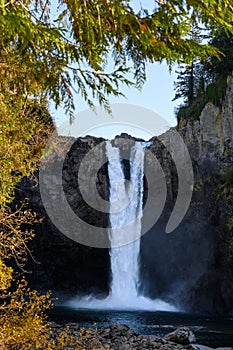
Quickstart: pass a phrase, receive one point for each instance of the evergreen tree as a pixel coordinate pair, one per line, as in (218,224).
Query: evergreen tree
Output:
(215,68)
(200,76)
(190,81)
(184,85)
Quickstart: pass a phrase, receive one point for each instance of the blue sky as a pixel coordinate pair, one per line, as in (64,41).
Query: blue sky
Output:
(156,95)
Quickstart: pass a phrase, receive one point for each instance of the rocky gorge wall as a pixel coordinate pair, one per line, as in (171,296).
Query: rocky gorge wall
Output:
(210,144)
(191,267)
(194,264)
(59,263)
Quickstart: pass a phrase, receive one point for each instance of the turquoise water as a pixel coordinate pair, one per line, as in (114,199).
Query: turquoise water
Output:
(211,331)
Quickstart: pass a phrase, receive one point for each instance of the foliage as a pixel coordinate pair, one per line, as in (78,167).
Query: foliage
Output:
(193,111)
(24,126)
(81,339)
(214,69)
(205,81)
(189,84)
(21,141)
(61,55)
(22,322)
(215,93)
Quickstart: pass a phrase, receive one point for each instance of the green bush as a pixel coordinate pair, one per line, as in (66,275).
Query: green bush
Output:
(215,93)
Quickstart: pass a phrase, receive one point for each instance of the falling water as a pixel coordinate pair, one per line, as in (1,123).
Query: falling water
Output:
(126,210)
(125,258)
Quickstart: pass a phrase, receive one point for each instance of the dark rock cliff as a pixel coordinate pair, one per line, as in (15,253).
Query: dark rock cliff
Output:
(194,264)
(59,263)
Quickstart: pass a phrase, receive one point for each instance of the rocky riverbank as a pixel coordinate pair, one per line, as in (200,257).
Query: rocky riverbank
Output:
(121,337)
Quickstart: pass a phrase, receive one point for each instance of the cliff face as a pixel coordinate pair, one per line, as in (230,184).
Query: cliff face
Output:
(59,263)
(198,255)
(210,144)
(210,139)
(193,266)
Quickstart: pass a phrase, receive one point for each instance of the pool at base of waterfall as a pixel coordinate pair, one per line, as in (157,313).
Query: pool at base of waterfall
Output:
(209,330)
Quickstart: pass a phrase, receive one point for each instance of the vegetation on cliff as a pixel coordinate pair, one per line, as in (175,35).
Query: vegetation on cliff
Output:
(203,81)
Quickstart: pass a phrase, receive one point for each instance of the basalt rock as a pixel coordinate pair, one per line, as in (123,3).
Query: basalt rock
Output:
(181,335)
(121,337)
(194,264)
(61,264)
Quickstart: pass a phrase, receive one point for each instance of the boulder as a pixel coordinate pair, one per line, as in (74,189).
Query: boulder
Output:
(200,347)
(182,336)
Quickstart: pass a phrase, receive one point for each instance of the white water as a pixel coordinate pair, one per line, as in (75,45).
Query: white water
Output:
(124,259)
(126,204)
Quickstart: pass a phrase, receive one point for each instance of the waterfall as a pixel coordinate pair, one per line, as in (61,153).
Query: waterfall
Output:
(126,210)
(125,258)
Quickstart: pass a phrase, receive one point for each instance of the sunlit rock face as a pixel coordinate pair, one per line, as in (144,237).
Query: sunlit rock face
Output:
(210,144)
(191,267)
(210,139)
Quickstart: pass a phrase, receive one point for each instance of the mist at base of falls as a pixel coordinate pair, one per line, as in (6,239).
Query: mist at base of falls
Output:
(109,303)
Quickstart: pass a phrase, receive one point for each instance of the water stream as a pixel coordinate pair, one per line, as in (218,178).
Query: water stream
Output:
(126,210)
